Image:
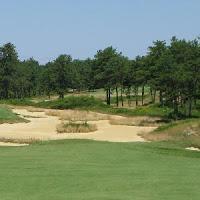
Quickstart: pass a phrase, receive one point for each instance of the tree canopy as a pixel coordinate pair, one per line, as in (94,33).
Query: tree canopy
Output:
(171,71)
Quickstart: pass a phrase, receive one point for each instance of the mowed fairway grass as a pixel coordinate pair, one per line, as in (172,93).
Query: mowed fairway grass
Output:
(89,170)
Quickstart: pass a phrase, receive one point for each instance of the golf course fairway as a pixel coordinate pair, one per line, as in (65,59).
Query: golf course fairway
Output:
(87,170)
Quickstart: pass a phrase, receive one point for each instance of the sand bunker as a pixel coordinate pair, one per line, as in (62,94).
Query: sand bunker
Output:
(193,149)
(43,127)
(9,144)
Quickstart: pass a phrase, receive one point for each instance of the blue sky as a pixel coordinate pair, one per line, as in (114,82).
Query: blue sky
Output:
(43,29)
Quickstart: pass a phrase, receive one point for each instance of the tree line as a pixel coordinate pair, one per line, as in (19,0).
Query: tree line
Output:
(171,71)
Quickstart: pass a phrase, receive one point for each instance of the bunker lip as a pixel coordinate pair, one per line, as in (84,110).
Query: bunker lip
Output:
(193,149)
(43,127)
(10,144)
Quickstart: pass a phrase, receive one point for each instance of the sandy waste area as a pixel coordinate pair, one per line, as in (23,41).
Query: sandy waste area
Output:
(43,127)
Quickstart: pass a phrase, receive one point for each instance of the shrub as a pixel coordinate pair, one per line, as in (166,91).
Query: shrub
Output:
(72,102)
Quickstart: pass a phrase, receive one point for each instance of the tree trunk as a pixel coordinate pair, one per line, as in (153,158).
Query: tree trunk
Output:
(175,108)
(122,100)
(143,95)
(49,95)
(136,96)
(109,96)
(190,107)
(161,98)
(117,97)
(129,96)
(151,94)
(154,96)
(61,95)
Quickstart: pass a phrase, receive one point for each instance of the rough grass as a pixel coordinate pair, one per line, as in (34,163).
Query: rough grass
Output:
(186,132)
(7,116)
(76,127)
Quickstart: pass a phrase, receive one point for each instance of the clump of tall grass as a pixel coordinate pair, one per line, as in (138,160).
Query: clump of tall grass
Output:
(18,140)
(78,127)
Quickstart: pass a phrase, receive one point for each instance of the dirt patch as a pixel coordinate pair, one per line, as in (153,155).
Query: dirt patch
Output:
(43,127)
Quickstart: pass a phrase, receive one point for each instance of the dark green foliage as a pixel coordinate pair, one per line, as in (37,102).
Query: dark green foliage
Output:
(73,102)
(7,69)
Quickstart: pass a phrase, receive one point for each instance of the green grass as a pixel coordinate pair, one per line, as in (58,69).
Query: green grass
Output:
(18,102)
(125,98)
(7,116)
(88,170)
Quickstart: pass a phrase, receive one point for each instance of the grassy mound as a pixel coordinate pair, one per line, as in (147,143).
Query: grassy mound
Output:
(7,116)
(185,132)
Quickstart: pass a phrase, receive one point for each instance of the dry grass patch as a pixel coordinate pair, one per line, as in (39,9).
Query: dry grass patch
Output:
(72,127)
(30,116)
(19,141)
(33,109)
(135,121)
(178,131)
(77,115)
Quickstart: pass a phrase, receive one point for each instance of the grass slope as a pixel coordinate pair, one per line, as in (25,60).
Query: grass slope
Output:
(87,170)
(184,132)
(7,116)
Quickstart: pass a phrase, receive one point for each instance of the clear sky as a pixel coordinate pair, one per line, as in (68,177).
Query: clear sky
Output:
(43,29)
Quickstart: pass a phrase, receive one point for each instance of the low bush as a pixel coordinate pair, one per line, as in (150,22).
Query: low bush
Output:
(72,102)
